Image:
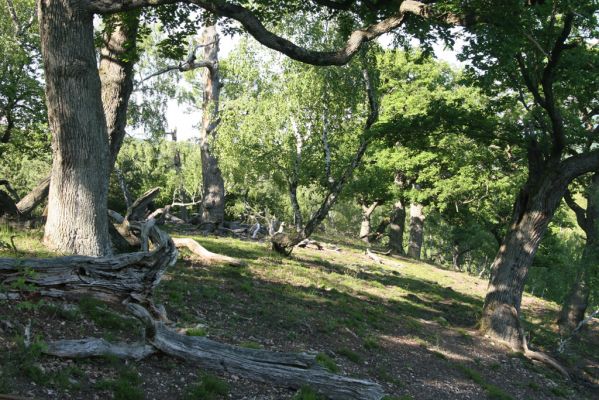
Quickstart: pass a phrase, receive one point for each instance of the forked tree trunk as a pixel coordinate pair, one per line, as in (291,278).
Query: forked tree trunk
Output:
(577,301)
(213,200)
(397,228)
(416,231)
(365,227)
(533,210)
(118,56)
(77,205)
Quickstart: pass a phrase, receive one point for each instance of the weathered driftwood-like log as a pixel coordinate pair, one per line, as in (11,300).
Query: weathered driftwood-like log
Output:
(374,257)
(113,279)
(93,347)
(28,203)
(309,242)
(204,254)
(293,370)
(138,209)
(281,369)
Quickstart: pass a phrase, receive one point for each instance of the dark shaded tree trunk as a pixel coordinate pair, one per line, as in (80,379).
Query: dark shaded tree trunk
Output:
(213,200)
(117,58)
(416,231)
(10,124)
(397,228)
(577,301)
(535,206)
(365,227)
(77,204)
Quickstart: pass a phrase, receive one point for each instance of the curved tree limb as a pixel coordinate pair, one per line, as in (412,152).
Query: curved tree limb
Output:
(256,28)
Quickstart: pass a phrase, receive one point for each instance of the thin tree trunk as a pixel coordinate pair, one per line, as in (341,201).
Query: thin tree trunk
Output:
(534,208)
(213,201)
(283,243)
(397,228)
(416,231)
(365,227)
(298,221)
(180,191)
(77,213)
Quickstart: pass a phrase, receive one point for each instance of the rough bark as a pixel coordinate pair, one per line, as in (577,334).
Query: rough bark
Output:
(365,226)
(213,200)
(77,204)
(397,228)
(533,210)
(117,57)
(34,198)
(92,347)
(577,301)
(416,231)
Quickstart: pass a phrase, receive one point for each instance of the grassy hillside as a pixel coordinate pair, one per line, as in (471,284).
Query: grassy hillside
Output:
(408,325)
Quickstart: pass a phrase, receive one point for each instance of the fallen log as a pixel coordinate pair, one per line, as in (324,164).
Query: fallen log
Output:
(294,370)
(374,257)
(34,198)
(204,255)
(309,242)
(131,279)
(93,347)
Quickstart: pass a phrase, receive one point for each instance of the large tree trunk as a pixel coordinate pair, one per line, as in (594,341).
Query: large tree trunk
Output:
(213,200)
(533,210)
(577,301)
(416,231)
(397,228)
(365,227)
(117,57)
(77,206)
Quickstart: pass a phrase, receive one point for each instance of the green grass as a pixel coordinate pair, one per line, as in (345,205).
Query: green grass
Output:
(327,362)
(101,315)
(197,331)
(250,345)
(341,300)
(350,355)
(307,393)
(209,387)
(125,387)
(493,392)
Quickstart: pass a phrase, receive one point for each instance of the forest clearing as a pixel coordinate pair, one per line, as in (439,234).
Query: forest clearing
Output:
(322,199)
(406,324)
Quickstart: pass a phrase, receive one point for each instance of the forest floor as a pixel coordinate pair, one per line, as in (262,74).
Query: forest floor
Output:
(408,325)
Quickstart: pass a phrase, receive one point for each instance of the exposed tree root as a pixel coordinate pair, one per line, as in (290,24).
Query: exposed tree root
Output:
(204,255)
(544,358)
